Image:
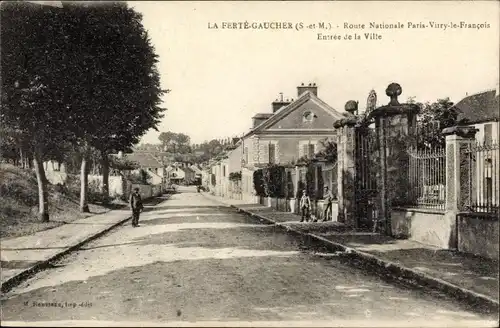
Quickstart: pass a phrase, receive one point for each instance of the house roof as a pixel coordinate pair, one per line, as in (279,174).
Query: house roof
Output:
(263,115)
(285,110)
(195,168)
(478,108)
(144,159)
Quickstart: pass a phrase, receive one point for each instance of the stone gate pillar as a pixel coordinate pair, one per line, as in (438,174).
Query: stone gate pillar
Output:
(459,188)
(460,175)
(394,123)
(346,172)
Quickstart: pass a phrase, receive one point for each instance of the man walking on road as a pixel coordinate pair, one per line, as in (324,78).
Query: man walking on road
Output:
(136,206)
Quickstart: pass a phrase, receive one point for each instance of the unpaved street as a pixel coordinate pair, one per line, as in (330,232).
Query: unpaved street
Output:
(193,260)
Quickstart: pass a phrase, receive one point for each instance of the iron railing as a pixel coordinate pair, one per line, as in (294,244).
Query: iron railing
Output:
(427,178)
(480,177)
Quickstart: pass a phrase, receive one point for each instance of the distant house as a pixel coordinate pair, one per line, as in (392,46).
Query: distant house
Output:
(197,173)
(230,163)
(481,110)
(149,163)
(175,174)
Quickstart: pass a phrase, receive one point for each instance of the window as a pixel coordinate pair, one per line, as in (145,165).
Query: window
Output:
(223,170)
(487,134)
(308,150)
(246,155)
(272,153)
(308,116)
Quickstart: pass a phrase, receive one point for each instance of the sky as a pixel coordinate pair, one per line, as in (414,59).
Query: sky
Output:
(220,78)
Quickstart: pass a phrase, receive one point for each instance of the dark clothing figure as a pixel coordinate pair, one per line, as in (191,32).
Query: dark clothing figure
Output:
(136,206)
(305,214)
(328,204)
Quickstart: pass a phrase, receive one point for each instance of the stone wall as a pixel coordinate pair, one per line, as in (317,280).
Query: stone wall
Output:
(478,234)
(424,226)
(115,184)
(474,233)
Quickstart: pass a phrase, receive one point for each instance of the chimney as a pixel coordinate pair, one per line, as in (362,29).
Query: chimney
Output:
(303,88)
(278,103)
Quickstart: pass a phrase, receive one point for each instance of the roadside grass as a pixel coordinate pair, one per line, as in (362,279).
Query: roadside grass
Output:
(19,203)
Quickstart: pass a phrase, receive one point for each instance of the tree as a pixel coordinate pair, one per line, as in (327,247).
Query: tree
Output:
(168,140)
(433,118)
(31,57)
(80,74)
(113,78)
(175,142)
(328,151)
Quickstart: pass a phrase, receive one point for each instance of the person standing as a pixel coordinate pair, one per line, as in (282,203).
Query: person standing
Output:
(305,206)
(328,199)
(136,206)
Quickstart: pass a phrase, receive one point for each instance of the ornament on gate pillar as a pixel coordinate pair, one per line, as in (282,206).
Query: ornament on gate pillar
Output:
(371,102)
(394,90)
(350,118)
(351,107)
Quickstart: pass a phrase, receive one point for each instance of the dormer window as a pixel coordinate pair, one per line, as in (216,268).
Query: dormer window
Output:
(308,116)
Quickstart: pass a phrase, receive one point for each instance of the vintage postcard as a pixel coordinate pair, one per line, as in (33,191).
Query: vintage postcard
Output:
(249,163)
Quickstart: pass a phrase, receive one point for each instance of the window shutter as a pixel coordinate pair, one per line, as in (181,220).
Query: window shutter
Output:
(310,153)
(262,153)
(272,153)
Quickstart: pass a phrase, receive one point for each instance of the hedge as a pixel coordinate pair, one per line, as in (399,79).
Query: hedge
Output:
(258,183)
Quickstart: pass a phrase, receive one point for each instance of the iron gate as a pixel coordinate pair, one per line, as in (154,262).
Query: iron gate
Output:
(365,177)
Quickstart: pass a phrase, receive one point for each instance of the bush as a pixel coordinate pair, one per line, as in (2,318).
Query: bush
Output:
(274,181)
(258,183)
(234,176)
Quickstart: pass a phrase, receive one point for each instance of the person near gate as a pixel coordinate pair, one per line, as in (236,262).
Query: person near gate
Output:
(305,206)
(136,206)
(328,199)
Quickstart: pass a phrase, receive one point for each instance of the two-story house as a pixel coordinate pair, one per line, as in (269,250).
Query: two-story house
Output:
(292,130)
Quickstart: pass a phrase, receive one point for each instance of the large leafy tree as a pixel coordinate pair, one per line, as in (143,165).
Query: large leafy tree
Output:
(114,82)
(32,108)
(80,74)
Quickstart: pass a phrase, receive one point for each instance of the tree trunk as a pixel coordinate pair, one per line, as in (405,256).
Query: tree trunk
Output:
(21,158)
(84,183)
(43,196)
(105,176)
